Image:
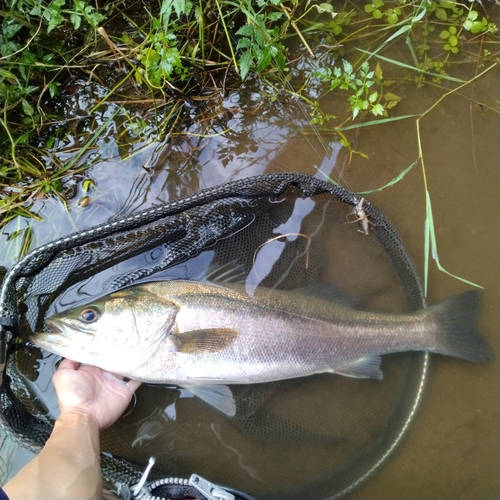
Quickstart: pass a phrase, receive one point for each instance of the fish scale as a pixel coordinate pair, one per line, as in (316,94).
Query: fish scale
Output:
(201,334)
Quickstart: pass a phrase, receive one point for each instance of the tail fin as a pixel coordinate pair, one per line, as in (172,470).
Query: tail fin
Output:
(457,335)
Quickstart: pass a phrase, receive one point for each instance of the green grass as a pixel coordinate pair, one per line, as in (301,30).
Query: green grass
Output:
(153,63)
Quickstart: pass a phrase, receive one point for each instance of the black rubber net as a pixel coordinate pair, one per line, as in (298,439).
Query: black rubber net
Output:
(315,437)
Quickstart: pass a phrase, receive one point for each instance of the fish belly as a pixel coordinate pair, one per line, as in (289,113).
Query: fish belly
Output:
(275,344)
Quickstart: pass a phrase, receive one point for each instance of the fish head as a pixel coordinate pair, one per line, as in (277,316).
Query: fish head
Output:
(117,332)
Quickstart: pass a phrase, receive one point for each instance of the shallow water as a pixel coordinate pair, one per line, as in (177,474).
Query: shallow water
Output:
(451,449)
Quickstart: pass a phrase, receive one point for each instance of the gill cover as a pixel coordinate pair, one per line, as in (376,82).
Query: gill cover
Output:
(124,328)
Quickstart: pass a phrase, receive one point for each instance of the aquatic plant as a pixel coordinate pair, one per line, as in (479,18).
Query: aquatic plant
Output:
(148,70)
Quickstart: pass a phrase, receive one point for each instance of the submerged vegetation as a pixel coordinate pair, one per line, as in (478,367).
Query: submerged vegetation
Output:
(141,71)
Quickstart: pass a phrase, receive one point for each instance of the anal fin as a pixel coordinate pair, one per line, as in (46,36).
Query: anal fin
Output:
(366,367)
(218,396)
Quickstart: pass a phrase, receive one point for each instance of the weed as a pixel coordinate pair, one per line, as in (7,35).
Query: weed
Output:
(359,84)
(376,9)
(156,64)
(450,38)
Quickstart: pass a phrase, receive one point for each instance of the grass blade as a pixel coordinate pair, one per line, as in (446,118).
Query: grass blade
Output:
(413,68)
(376,122)
(394,181)
(430,244)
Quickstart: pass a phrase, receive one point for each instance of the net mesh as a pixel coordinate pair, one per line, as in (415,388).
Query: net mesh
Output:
(315,437)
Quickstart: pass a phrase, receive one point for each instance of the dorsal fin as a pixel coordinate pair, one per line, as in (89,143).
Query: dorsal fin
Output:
(330,293)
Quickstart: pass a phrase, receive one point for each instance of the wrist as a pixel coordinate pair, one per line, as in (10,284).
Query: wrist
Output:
(75,416)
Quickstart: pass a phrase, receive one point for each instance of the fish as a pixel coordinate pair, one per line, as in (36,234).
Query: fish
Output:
(205,336)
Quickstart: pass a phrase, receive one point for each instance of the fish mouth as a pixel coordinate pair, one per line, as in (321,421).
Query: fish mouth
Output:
(49,340)
(62,336)
(54,328)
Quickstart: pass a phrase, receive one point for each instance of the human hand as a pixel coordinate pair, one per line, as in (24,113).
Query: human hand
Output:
(93,390)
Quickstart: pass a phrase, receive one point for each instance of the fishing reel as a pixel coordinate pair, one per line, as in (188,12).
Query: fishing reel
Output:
(174,488)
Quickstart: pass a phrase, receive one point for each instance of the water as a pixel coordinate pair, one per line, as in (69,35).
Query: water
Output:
(451,449)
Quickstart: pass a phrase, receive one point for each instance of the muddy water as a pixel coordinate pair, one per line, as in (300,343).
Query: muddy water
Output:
(451,449)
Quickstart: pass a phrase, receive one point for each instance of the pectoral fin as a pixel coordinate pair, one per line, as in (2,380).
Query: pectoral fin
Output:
(218,396)
(367,367)
(204,341)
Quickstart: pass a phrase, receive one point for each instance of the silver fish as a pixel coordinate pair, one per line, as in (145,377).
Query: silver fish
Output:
(202,335)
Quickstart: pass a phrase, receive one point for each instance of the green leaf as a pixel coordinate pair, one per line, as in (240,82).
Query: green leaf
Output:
(27,108)
(264,60)
(378,110)
(36,10)
(243,43)
(472,15)
(448,4)
(392,97)
(7,74)
(392,18)
(8,48)
(245,63)
(182,6)
(28,58)
(453,41)
(95,19)
(260,38)
(246,30)
(76,20)
(441,14)
(274,16)
(477,27)
(10,28)
(53,91)
(337,29)
(54,18)
(347,67)
(280,60)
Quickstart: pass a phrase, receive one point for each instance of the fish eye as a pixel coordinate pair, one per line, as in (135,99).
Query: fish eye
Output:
(90,314)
